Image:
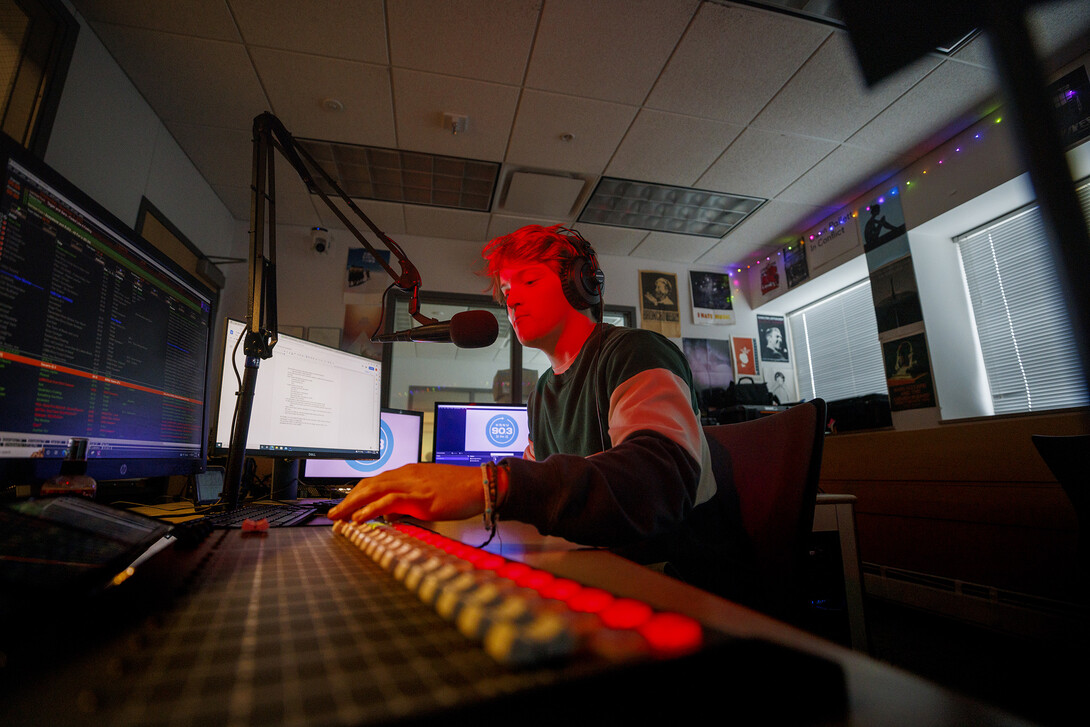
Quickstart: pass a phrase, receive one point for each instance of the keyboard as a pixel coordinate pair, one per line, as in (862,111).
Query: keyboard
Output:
(273,515)
(521,615)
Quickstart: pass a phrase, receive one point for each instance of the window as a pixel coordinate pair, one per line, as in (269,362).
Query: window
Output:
(835,345)
(1030,356)
(36,42)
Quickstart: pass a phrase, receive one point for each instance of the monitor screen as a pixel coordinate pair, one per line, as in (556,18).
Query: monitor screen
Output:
(310,400)
(468,433)
(101,338)
(401,433)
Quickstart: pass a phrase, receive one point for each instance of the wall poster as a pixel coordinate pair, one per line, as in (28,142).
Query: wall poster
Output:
(711,294)
(908,373)
(773,339)
(658,303)
(745,356)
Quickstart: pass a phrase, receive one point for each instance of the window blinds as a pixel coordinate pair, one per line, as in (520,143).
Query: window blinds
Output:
(836,348)
(1030,354)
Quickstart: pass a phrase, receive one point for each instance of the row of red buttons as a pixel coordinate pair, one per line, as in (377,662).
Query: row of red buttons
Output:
(522,615)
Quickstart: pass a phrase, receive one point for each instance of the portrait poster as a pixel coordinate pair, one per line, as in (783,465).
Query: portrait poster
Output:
(772,338)
(780,379)
(882,225)
(362,265)
(710,361)
(658,303)
(795,267)
(362,317)
(745,356)
(896,296)
(908,373)
(711,296)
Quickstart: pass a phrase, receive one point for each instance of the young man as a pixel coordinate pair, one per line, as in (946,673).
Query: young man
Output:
(617,456)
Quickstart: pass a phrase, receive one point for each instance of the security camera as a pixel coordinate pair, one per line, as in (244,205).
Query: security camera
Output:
(321,240)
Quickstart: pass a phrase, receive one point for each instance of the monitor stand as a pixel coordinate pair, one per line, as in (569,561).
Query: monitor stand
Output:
(285,479)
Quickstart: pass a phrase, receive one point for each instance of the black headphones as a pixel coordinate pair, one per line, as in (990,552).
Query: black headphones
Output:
(581,277)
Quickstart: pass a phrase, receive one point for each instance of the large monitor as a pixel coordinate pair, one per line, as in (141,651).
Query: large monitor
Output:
(469,433)
(102,338)
(401,434)
(311,401)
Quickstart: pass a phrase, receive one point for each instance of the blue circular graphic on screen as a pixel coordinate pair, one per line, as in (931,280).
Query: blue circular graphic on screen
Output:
(385,450)
(502,431)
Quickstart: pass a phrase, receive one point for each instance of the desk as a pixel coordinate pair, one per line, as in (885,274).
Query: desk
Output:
(297,626)
(836,513)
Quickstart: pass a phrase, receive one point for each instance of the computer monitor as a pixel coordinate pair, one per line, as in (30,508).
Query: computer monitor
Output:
(102,338)
(401,435)
(469,433)
(310,401)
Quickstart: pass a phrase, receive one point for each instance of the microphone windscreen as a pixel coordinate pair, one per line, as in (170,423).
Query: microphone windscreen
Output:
(473,329)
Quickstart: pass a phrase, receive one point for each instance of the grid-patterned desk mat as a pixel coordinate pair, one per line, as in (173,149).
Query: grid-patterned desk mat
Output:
(299,627)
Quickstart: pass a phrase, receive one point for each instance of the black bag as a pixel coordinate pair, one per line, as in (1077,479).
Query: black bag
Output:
(746,391)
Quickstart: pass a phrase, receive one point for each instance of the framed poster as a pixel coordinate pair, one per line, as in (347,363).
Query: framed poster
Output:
(712,304)
(908,373)
(658,303)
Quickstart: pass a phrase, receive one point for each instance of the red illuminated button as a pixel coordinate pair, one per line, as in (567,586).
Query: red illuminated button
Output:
(670,633)
(590,600)
(625,613)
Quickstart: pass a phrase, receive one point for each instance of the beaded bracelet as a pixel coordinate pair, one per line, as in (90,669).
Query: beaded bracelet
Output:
(490,483)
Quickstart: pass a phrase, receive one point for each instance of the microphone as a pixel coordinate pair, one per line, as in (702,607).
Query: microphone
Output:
(468,329)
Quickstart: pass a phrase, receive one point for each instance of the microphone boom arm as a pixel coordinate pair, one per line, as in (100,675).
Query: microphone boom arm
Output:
(269,135)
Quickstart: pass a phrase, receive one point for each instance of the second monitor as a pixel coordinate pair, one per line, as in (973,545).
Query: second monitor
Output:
(469,433)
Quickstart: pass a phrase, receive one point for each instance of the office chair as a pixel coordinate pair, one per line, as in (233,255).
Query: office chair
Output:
(1065,456)
(775,462)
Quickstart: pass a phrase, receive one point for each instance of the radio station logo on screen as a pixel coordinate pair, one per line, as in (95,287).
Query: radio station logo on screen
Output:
(385,450)
(490,430)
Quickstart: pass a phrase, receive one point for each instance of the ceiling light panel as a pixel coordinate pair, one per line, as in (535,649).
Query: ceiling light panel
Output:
(665,208)
(409,177)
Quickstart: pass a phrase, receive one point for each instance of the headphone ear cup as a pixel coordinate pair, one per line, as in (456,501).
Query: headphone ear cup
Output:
(581,283)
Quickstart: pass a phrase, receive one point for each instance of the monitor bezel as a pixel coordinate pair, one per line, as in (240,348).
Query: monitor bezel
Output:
(220,445)
(474,404)
(32,471)
(341,481)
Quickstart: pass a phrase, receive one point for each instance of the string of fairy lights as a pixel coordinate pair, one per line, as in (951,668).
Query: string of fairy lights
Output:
(912,183)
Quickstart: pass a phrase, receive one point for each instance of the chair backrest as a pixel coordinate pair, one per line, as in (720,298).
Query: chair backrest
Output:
(775,463)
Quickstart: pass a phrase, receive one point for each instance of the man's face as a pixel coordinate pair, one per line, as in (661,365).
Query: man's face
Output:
(536,305)
(774,338)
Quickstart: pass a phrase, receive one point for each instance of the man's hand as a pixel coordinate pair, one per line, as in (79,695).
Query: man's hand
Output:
(423,491)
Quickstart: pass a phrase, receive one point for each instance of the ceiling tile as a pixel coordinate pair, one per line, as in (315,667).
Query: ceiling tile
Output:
(669,148)
(333,28)
(202,82)
(223,156)
(488,40)
(441,222)
(732,60)
(202,18)
(422,99)
(298,84)
(963,90)
(612,240)
(543,121)
(608,49)
(389,217)
(675,248)
(828,97)
(846,169)
(763,163)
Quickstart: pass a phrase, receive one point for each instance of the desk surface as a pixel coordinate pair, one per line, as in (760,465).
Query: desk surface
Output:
(298,627)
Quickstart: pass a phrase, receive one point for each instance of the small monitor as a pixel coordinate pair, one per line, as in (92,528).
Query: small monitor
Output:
(310,401)
(469,433)
(102,338)
(401,434)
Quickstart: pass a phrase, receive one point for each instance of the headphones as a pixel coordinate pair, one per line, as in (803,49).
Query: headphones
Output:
(581,277)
